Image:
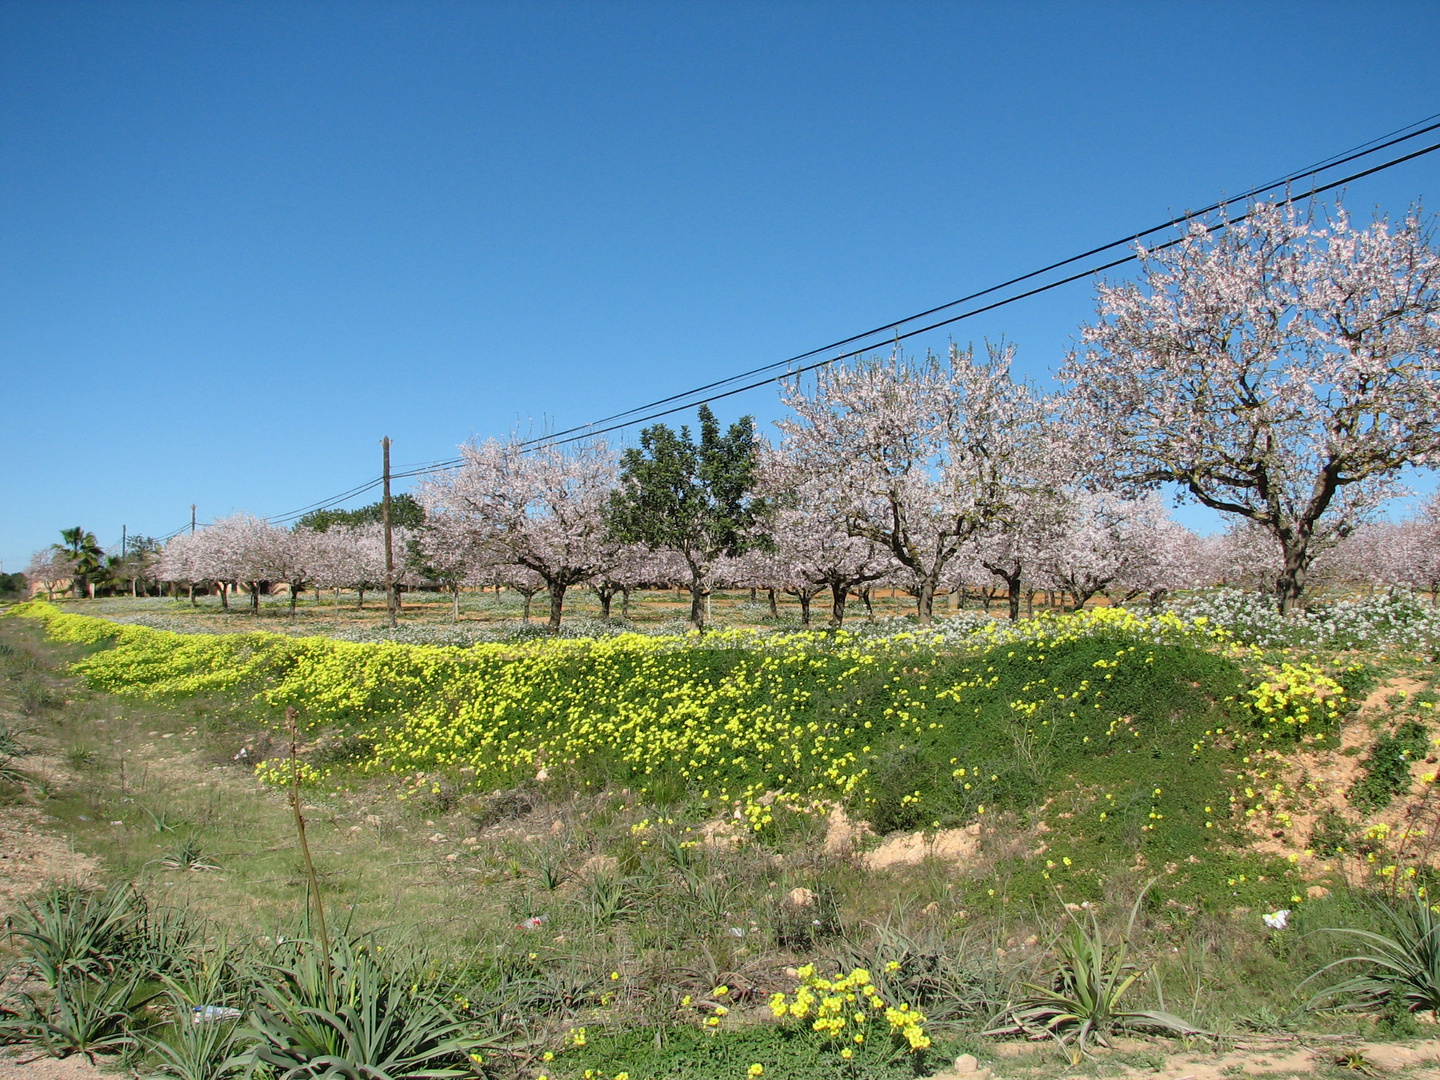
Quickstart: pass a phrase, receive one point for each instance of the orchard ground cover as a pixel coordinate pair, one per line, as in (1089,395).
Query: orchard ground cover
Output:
(1159,760)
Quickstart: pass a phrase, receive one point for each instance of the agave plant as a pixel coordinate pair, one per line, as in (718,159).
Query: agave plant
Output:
(187,855)
(1085,1001)
(88,1013)
(368,1021)
(78,932)
(1403,965)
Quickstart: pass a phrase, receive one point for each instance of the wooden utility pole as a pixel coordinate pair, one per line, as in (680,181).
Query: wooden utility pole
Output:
(124,536)
(192,519)
(390,598)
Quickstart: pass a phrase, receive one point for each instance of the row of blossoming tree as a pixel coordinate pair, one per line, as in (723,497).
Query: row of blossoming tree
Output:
(1283,370)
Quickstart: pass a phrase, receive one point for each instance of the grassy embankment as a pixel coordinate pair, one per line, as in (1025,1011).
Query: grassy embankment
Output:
(1081,763)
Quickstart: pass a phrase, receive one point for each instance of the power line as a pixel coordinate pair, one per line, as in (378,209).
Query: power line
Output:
(689,399)
(1381,143)
(589,433)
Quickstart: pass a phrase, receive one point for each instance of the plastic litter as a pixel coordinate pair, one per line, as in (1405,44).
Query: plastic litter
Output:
(209,1014)
(534,922)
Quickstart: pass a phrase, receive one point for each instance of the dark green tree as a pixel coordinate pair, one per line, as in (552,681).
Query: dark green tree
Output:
(695,499)
(84,555)
(405,513)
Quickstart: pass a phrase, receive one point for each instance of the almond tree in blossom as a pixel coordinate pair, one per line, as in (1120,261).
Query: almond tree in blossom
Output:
(1010,549)
(49,567)
(1103,542)
(920,455)
(812,551)
(447,552)
(294,557)
(1283,370)
(631,567)
(232,550)
(541,510)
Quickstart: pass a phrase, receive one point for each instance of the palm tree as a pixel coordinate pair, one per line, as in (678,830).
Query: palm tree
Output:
(84,554)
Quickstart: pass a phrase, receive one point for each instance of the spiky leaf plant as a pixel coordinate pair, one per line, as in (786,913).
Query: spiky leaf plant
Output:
(1085,1001)
(1402,966)
(375,1021)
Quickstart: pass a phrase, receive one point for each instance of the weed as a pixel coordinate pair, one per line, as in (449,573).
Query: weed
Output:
(187,855)
(191,1047)
(165,821)
(73,933)
(1331,834)
(605,897)
(11,745)
(1387,766)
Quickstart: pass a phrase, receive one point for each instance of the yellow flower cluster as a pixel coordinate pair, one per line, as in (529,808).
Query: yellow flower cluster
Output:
(732,716)
(849,1012)
(1294,696)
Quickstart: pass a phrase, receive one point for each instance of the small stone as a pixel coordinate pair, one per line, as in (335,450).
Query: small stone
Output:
(966,1063)
(1317,892)
(800,898)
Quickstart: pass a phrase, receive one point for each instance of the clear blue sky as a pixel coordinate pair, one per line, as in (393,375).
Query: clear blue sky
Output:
(240,242)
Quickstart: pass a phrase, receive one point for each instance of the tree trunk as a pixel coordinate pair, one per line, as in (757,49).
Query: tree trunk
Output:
(557,605)
(752,594)
(804,597)
(225,595)
(1012,595)
(294,599)
(770,596)
(605,596)
(255,598)
(529,598)
(1030,603)
(869,607)
(455,604)
(625,602)
(361,605)
(697,605)
(838,593)
(1290,585)
(193,602)
(925,603)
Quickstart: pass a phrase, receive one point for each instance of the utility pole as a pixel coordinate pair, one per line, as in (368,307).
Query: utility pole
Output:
(192,519)
(123,537)
(390,604)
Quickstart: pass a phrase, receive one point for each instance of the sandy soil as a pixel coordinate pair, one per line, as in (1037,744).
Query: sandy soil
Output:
(1414,1061)
(15,1065)
(33,855)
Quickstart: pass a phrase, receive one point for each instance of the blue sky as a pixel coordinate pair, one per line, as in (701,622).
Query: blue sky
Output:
(240,242)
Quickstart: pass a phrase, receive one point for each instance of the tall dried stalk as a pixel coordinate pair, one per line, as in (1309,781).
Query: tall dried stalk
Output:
(291,717)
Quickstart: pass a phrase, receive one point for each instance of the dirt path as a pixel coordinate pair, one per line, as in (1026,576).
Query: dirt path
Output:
(1413,1061)
(75,1067)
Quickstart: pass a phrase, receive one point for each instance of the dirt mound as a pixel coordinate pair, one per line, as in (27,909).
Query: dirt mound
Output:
(911,849)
